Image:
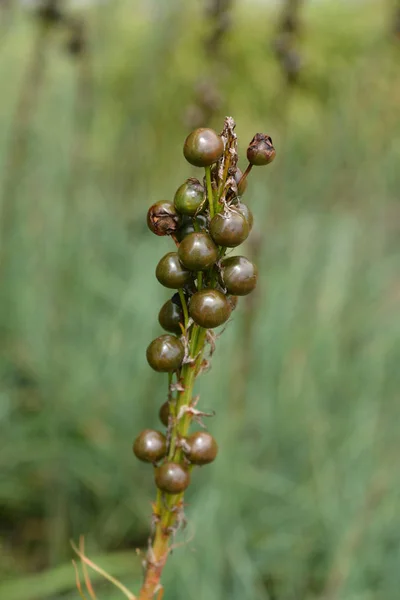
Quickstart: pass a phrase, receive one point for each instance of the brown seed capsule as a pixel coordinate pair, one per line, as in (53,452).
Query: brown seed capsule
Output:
(229,229)
(162,218)
(203,147)
(233,300)
(238,275)
(165,353)
(172,478)
(209,308)
(246,212)
(150,446)
(261,150)
(200,448)
(164,414)
(170,317)
(243,183)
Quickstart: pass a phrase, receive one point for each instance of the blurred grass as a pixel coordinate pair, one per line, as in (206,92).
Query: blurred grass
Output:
(302,502)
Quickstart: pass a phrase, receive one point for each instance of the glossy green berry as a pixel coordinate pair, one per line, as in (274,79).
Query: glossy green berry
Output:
(164,414)
(246,212)
(200,448)
(187,226)
(229,229)
(209,308)
(203,147)
(150,446)
(171,273)
(189,197)
(261,150)
(172,478)
(242,186)
(165,353)
(170,317)
(162,218)
(238,275)
(197,252)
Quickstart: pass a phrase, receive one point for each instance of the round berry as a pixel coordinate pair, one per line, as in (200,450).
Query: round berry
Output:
(229,229)
(162,218)
(170,317)
(150,446)
(187,226)
(189,197)
(197,252)
(172,478)
(203,147)
(171,273)
(238,275)
(243,185)
(164,414)
(261,150)
(165,353)
(209,308)
(246,212)
(200,448)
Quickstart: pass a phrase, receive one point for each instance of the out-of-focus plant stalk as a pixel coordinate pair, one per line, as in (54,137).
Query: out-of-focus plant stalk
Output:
(288,30)
(208,99)
(286,40)
(19,136)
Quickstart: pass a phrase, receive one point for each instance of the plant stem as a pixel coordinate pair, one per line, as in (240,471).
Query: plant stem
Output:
(245,174)
(210,194)
(168,508)
(184,307)
(196,226)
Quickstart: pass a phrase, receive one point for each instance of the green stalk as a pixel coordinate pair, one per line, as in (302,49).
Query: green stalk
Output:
(210,194)
(167,508)
(184,307)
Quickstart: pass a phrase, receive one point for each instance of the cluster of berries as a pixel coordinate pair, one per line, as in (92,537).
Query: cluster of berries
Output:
(205,219)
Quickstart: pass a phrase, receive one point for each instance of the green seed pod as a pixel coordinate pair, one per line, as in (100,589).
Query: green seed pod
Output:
(164,414)
(162,218)
(188,227)
(246,212)
(200,448)
(150,446)
(197,252)
(189,198)
(172,478)
(261,150)
(209,308)
(170,317)
(203,147)
(238,275)
(165,354)
(171,273)
(229,229)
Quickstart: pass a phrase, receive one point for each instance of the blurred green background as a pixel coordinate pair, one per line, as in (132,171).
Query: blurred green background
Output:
(303,501)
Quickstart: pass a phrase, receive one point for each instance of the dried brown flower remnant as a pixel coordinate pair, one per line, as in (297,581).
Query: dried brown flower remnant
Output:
(261,150)
(162,218)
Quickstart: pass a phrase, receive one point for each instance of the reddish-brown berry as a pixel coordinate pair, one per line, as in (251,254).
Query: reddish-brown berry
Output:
(150,446)
(261,150)
(165,353)
(203,147)
(172,478)
(200,448)
(162,218)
